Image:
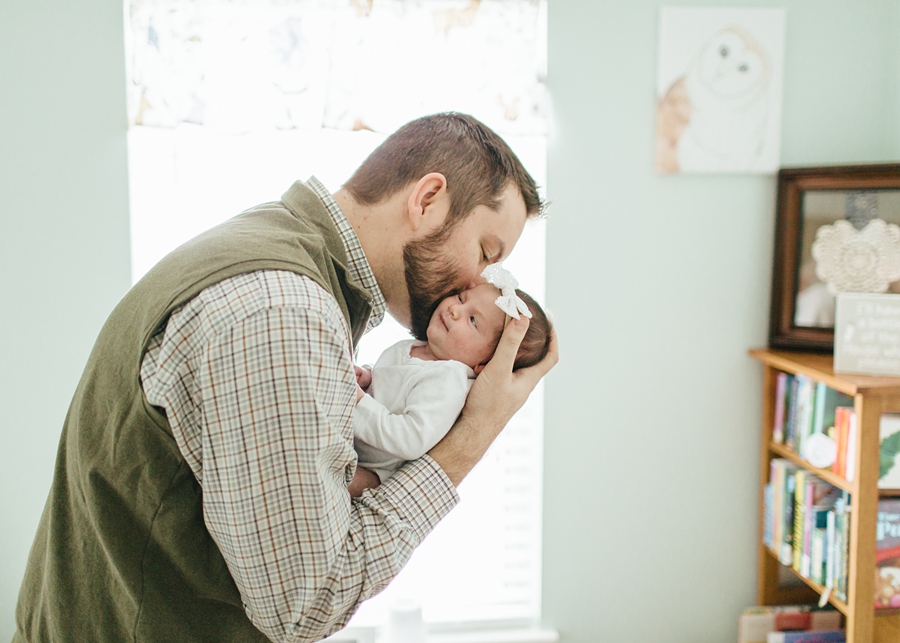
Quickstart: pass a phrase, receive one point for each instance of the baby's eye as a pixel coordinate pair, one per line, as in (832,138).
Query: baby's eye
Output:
(459,296)
(474,322)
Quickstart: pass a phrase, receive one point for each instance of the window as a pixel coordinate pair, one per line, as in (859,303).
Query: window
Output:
(232,101)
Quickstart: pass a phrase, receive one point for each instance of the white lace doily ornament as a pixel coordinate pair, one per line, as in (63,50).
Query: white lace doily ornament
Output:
(850,260)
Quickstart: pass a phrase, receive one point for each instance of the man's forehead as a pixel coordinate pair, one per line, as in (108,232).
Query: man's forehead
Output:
(503,225)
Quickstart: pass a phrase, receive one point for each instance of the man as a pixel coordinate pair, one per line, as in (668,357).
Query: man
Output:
(200,490)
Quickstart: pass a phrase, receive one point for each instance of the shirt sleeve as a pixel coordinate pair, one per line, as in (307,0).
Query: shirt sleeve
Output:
(432,405)
(275,392)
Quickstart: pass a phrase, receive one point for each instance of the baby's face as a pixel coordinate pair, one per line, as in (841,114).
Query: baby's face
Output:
(466,327)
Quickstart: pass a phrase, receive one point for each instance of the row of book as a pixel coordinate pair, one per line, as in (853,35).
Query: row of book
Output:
(790,624)
(803,408)
(807,525)
(809,414)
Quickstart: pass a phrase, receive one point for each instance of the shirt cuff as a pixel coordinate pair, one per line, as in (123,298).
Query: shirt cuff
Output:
(422,493)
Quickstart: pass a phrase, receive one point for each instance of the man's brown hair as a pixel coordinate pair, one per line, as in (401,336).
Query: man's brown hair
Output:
(536,343)
(476,162)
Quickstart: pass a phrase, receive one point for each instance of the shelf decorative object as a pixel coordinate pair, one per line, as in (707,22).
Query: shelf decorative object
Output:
(837,230)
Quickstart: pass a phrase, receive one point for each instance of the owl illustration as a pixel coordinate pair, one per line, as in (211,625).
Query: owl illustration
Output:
(713,117)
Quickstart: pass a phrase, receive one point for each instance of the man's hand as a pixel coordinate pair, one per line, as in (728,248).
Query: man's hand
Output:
(362,479)
(496,395)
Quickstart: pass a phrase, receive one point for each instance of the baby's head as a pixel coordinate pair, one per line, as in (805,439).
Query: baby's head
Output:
(467,328)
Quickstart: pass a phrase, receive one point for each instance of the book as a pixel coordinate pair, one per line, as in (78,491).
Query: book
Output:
(816,441)
(799,517)
(889,461)
(806,401)
(787,518)
(780,518)
(782,390)
(850,465)
(844,508)
(792,410)
(817,556)
(887,554)
(819,498)
(755,624)
(841,424)
(778,507)
(823,511)
(831,543)
(828,636)
(827,401)
(778,496)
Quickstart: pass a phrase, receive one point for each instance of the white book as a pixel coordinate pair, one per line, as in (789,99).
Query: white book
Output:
(830,542)
(817,556)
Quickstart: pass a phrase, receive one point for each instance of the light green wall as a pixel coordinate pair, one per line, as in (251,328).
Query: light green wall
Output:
(652,536)
(64,255)
(659,285)
(894,82)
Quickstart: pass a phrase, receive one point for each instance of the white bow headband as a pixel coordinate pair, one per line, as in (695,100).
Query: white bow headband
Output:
(508,301)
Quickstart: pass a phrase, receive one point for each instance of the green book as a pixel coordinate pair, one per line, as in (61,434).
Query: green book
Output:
(889,462)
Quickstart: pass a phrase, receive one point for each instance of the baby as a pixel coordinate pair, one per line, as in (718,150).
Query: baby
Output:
(417,389)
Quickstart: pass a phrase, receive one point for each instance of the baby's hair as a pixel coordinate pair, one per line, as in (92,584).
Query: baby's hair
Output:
(536,343)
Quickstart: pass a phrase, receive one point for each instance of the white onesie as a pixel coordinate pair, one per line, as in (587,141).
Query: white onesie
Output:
(410,405)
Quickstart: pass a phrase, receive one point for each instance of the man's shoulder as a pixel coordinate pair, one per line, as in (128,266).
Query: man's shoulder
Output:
(239,298)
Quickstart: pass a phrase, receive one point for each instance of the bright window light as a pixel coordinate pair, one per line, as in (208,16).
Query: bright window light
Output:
(233,101)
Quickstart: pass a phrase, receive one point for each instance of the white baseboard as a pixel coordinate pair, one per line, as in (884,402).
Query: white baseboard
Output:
(523,635)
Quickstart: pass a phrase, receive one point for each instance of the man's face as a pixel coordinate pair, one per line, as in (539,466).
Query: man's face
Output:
(446,262)
(467,326)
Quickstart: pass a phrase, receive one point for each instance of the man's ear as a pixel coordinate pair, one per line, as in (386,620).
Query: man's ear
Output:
(428,203)
(479,368)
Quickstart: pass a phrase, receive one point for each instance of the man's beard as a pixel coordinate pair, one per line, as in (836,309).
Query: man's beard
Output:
(430,278)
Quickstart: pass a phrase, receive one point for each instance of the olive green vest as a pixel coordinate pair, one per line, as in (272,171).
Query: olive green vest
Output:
(121,552)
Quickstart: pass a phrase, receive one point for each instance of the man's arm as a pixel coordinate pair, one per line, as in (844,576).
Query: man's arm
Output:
(498,393)
(276,392)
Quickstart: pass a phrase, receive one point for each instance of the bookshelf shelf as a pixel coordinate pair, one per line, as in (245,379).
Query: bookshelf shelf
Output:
(872,396)
(816,587)
(831,478)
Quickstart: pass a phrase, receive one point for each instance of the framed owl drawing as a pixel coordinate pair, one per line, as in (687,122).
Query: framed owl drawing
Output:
(837,230)
(719,90)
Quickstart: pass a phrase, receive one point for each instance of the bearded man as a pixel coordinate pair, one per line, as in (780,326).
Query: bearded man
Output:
(200,490)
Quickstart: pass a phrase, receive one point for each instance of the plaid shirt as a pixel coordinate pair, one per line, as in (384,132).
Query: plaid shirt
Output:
(256,378)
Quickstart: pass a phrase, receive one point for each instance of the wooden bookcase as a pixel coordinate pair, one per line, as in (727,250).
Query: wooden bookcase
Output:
(872,397)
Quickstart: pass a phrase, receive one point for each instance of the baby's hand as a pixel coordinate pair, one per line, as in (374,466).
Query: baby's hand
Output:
(363,376)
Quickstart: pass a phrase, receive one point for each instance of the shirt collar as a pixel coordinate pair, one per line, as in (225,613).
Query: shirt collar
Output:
(356,258)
